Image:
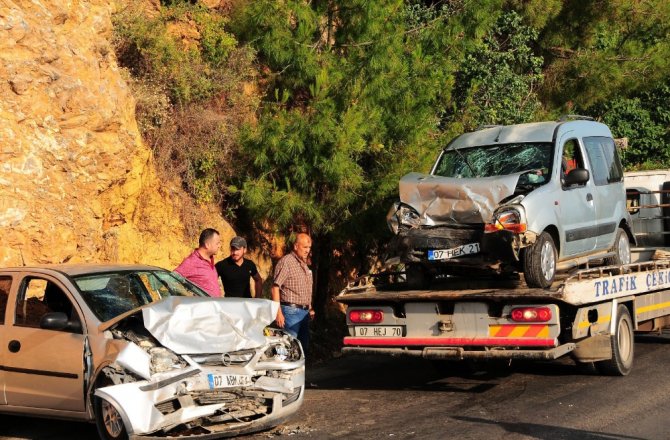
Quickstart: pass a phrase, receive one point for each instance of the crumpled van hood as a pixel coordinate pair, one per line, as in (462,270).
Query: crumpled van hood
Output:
(447,200)
(199,325)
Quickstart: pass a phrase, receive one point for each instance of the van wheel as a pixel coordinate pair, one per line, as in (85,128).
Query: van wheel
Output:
(622,346)
(539,262)
(108,421)
(621,250)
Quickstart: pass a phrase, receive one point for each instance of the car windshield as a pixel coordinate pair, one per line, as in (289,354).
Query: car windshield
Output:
(497,160)
(111,294)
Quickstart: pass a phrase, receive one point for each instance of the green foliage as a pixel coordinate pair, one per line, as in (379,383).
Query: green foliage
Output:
(645,121)
(498,79)
(355,90)
(596,51)
(188,77)
(179,49)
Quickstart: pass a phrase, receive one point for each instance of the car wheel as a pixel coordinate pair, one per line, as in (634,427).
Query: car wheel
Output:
(621,250)
(108,421)
(539,262)
(622,346)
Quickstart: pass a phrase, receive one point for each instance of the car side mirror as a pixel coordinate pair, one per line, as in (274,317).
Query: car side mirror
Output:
(54,321)
(578,176)
(59,321)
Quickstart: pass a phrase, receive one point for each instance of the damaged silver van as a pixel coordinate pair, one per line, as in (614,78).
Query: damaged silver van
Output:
(532,198)
(143,353)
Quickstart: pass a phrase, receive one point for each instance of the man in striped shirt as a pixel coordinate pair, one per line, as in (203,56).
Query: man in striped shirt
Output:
(292,288)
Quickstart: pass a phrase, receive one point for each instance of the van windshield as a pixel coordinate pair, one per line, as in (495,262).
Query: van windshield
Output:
(497,160)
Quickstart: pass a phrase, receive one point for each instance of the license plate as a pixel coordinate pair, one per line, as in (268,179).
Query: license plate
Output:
(378,331)
(445,254)
(228,380)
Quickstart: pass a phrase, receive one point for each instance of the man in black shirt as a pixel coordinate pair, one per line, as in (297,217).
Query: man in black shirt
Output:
(235,272)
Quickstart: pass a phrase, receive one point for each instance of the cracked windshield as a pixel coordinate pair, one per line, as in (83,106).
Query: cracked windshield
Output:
(111,294)
(498,160)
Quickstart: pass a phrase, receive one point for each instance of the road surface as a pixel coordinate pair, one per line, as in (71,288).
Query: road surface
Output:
(358,397)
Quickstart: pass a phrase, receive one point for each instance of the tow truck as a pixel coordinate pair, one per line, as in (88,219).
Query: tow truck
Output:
(590,313)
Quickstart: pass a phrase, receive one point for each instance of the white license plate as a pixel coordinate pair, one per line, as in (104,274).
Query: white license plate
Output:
(388,331)
(228,380)
(445,254)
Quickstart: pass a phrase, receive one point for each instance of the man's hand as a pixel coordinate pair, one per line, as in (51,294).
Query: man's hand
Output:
(280,318)
(311,313)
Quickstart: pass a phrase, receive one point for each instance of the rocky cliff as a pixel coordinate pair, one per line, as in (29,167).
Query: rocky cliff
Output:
(76,182)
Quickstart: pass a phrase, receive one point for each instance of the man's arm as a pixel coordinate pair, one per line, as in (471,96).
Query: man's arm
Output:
(258,285)
(276,297)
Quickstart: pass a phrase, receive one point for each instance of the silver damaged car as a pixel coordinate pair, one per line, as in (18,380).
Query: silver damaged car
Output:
(533,198)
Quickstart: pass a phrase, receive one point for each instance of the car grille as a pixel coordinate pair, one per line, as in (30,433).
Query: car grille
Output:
(214,396)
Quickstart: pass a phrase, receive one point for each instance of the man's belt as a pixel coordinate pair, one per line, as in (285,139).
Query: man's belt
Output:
(297,306)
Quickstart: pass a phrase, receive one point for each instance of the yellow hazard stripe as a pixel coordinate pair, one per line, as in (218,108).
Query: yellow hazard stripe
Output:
(601,320)
(652,307)
(519,331)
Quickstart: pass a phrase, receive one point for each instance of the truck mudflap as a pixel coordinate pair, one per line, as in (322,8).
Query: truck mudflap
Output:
(460,353)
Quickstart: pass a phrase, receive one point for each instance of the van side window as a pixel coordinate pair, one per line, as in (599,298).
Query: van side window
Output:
(604,160)
(571,158)
(39,297)
(5,285)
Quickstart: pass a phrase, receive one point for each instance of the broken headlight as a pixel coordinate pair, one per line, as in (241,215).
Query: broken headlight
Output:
(508,219)
(401,214)
(163,360)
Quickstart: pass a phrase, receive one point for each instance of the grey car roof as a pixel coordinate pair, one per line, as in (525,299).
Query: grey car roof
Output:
(81,269)
(531,132)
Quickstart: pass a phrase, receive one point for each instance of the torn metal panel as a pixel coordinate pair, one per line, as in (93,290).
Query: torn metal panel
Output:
(135,360)
(208,325)
(446,200)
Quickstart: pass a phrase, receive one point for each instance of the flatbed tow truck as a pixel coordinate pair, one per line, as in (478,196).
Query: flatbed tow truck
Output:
(591,313)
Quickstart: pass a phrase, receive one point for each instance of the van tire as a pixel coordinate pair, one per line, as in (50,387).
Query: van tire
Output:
(539,262)
(621,250)
(622,342)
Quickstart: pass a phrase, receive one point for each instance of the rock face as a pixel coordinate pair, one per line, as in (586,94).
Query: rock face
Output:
(76,182)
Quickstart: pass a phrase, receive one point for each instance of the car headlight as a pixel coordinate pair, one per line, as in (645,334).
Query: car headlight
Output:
(163,360)
(507,219)
(401,214)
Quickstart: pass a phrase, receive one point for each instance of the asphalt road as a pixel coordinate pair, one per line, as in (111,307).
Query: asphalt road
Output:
(371,397)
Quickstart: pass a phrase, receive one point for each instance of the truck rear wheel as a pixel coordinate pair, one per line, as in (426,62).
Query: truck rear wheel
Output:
(539,262)
(622,346)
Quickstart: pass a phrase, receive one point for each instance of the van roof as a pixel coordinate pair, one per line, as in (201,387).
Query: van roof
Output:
(531,132)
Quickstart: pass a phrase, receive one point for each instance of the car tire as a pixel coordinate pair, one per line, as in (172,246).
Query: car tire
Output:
(621,250)
(108,420)
(622,342)
(539,262)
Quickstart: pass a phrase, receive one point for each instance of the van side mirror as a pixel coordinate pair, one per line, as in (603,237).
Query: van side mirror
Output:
(578,176)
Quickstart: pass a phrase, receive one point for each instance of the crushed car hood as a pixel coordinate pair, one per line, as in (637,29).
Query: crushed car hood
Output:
(447,200)
(197,325)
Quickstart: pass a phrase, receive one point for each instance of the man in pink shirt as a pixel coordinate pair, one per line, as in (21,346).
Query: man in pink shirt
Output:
(199,268)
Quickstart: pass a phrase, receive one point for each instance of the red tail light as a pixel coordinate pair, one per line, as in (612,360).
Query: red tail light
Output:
(531,314)
(366,316)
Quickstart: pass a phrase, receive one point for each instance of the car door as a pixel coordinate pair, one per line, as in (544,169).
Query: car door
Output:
(609,192)
(577,212)
(5,288)
(43,368)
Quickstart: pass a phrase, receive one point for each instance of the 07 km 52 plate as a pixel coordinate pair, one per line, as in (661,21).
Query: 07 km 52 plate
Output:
(445,254)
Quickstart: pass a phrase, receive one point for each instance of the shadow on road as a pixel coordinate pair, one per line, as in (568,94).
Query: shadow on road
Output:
(547,432)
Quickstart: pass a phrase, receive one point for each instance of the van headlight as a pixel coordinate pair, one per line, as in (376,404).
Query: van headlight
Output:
(401,214)
(507,219)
